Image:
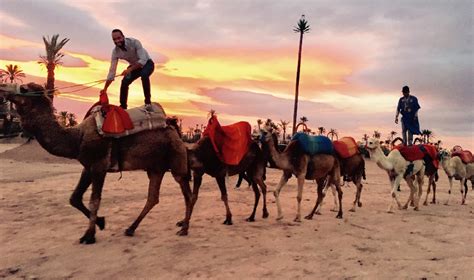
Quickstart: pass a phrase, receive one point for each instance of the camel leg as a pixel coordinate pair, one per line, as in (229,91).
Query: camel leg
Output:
(321,186)
(450,179)
(283,180)
(222,188)
(256,192)
(263,188)
(395,183)
(433,183)
(188,200)
(463,192)
(299,197)
(334,195)
(197,181)
(420,180)
(153,199)
(78,193)
(98,179)
(409,181)
(358,182)
(427,191)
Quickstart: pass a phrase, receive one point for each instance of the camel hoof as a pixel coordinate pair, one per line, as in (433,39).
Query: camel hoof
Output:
(250,219)
(359,204)
(87,238)
(352,210)
(100,222)
(227,222)
(129,232)
(317,213)
(425,203)
(433,202)
(180,223)
(309,217)
(265,215)
(279,218)
(446,203)
(416,209)
(182,232)
(297,220)
(334,210)
(339,216)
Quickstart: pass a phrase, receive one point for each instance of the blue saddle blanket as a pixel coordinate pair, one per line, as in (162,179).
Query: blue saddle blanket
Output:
(313,145)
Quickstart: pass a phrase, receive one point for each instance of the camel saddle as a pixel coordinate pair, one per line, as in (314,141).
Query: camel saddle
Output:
(465,155)
(230,142)
(313,145)
(346,147)
(113,121)
(425,152)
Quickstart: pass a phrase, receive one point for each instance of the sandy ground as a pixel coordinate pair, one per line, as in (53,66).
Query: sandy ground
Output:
(40,231)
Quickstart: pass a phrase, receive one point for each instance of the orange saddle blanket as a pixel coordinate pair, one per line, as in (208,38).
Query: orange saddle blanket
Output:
(419,152)
(346,147)
(231,142)
(465,155)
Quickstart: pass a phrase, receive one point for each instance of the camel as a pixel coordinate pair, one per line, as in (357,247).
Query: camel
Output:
(398,168)
(154,151)
(204,160)
(455,168)
(352,170)
(323,168)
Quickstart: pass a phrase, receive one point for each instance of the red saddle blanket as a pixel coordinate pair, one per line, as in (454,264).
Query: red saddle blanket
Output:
(231,142)
(419,152)
(346,147)
(465,155)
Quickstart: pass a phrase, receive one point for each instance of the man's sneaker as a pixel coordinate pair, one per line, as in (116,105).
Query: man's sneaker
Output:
(149,108)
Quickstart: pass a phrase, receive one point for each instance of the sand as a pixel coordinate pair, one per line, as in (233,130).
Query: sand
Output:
(40,231)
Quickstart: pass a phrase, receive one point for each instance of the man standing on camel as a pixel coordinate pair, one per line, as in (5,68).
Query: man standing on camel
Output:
(408,106)
(141,65)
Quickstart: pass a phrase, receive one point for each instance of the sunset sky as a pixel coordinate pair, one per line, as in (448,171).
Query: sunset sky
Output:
(239,58)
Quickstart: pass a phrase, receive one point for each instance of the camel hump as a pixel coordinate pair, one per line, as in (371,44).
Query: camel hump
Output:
(313,145)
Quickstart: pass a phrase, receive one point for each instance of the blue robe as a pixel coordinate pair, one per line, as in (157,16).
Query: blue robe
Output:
(408,108)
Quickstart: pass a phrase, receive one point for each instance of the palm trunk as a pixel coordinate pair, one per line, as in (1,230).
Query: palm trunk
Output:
(295,110)
(50,80)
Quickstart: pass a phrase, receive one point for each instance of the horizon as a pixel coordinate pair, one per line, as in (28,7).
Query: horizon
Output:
(241,62)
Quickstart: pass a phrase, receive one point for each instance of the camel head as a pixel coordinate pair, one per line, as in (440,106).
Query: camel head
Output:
(373,144)
(29,99)
(444,155)
(267,130)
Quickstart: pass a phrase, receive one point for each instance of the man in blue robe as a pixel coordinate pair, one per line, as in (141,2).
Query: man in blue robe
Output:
(408,106)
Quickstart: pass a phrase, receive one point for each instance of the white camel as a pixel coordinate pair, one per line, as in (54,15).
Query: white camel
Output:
(455,168)
(398,168)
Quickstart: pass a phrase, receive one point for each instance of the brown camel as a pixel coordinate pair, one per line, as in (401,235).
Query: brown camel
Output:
(323,168)
(154,151)
(204,160)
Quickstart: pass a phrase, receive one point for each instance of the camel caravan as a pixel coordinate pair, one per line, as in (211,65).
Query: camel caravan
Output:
(111,139)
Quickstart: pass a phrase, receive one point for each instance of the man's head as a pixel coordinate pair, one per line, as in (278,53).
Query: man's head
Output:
(118,38)
(406,91)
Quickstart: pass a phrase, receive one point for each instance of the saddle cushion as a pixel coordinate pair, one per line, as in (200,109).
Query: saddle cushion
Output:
(313,145)
(346,147)
(465,155)
(119,123)
(230,142)
(425,152)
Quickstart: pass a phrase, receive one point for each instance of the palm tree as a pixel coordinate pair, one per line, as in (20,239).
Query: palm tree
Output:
(332,133)
(302,28)
(283,124)
(71,119)
(427,135)
(365,138)
(321,130)
(303,121)
(392,134)
(52,58)
(259,123)
(62,118)
(12,73)
(377,134)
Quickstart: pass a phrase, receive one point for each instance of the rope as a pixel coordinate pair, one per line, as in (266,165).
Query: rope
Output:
(48,91)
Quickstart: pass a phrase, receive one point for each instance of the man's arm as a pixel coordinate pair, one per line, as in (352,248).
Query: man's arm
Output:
(398,112)
(112,71)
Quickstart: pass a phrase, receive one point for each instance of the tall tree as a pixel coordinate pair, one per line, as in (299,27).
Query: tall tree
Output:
(333,132)
(12,73)
(284,124)
(302,28)
(321,130)
(52,59)
(377,134)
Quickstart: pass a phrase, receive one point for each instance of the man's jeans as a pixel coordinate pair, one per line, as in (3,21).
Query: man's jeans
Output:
(144,73)
(407,134)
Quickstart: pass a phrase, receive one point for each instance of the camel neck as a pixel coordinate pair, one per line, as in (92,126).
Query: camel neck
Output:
(280,160)
(381,159)
(54,138)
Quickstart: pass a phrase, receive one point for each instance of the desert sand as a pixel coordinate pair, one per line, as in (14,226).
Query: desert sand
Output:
(40,231)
